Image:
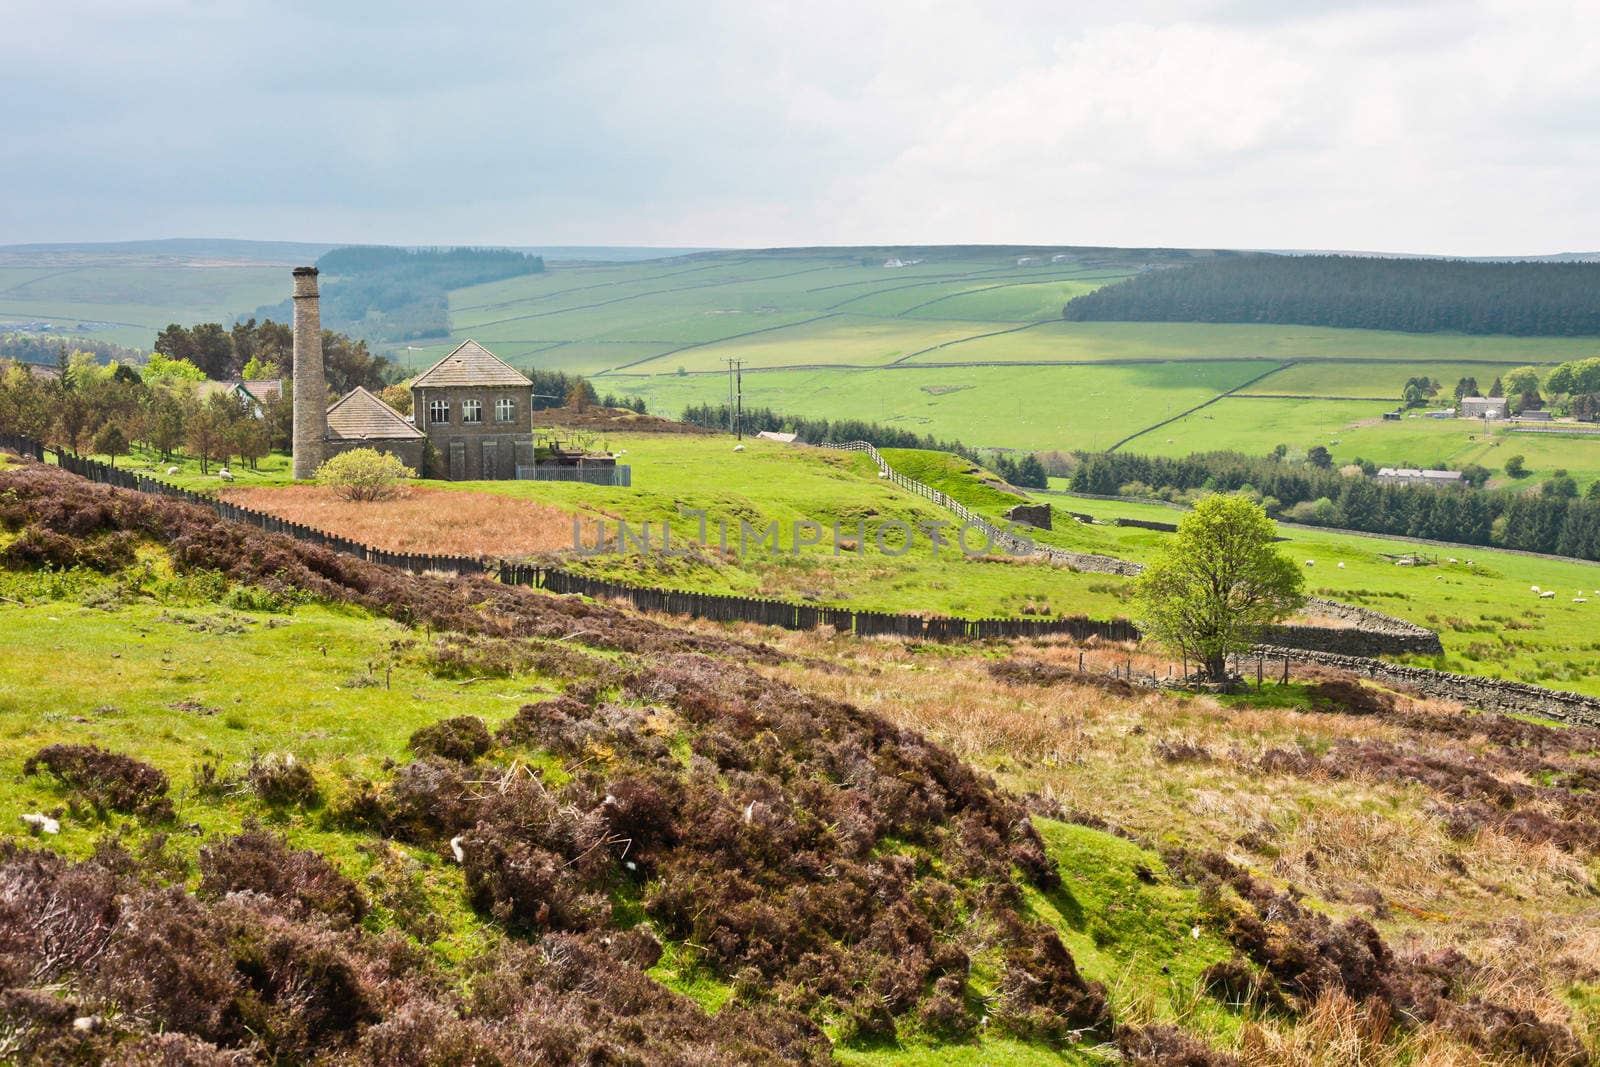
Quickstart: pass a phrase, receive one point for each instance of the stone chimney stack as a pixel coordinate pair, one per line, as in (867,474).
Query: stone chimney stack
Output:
(310,384)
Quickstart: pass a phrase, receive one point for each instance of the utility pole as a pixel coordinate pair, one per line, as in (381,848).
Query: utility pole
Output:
(736,397)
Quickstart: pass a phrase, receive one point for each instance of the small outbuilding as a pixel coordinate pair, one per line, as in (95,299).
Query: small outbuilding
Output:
(360,420)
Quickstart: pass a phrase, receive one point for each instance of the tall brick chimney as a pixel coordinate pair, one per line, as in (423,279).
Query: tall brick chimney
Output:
(310,384)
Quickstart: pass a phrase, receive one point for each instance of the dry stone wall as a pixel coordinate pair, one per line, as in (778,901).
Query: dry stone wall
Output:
(1489,694)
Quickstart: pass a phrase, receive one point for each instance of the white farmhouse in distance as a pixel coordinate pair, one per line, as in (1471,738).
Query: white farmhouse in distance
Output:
(1484,407)
(1412,476)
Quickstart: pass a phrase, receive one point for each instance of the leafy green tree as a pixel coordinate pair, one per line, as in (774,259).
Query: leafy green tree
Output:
(349,363)
(1498,389)
(1218,583)
(1475,475)
(164,369)
(1516,466)
(363,474)
(1466,387)
(1521,380)
(1319,456)
(1560,486)
(110,441)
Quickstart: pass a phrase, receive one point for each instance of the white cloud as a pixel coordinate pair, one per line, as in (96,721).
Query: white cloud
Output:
(1436,126)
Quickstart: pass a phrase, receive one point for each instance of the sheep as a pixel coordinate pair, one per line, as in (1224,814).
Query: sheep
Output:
(1438,577)
(1311,563)
(738,448)
(1341,566)
(1452,559)
(1533,588)
(38,822)
(172,470)
(1548,594)
(225,475)
(456,850)
(1580,600)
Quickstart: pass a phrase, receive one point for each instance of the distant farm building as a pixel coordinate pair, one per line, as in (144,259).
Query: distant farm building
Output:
(1413,476)
(1535,416)
(254,395)
(1484,407)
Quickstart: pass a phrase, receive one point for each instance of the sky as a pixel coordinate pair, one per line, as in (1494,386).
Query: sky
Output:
(1467,128)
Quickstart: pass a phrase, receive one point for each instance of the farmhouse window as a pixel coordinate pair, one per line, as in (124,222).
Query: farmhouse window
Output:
(471,411)
(505,409)
(438,411)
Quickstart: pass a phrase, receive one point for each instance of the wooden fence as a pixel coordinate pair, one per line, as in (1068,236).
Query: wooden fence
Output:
(712,606)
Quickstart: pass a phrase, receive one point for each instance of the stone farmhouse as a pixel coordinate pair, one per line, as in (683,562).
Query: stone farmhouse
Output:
(477,411)
(1484,407)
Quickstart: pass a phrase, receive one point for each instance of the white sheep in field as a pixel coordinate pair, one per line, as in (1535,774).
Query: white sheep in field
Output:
(1341,566)
(1452,559)
(1580,600)
(1548,594)
(1311,563)
(225,474)
(1533,588)
(38,822)
(172,470)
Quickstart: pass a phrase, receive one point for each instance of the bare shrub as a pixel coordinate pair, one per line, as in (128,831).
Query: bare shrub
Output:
(282,781)
(259,862)
(463,739)
(106,781)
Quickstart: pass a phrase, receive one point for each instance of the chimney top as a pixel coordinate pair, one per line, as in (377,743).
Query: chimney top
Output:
(300,272)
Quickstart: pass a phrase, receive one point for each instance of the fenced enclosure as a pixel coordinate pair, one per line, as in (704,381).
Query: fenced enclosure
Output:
(712,606)
(620,475)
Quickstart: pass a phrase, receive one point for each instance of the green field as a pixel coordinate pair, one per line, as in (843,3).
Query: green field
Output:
(1018,407)
(130,304)
(1490,621)
(978,350)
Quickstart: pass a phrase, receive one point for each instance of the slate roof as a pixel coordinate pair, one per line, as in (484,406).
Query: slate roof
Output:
(360,416)
(1413,474)
(263,389)
(470,364)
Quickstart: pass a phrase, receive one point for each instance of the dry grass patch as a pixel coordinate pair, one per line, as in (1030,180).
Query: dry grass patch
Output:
(423,520)
(1281,790)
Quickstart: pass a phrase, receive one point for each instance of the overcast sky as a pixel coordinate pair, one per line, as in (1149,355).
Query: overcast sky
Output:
(1450,127)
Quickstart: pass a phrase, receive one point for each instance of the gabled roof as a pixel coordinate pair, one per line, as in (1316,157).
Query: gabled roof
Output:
(360,416)
(263,389)
(470,364)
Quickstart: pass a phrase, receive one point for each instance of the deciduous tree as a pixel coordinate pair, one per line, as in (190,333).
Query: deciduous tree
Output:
(1218,583)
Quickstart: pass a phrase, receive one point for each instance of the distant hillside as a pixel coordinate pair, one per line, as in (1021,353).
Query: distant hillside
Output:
(395,294)
(1551,299)
(290,252)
